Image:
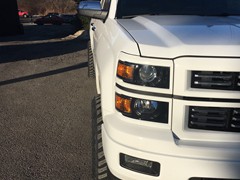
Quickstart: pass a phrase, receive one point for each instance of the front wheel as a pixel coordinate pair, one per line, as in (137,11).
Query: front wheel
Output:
(99,165)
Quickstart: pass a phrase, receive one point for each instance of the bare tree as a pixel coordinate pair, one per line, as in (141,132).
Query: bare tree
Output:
(45,6)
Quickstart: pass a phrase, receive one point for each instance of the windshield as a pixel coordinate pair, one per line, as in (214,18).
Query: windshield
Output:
(131,8)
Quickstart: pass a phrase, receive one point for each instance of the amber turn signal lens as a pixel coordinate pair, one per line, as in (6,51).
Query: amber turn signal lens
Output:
(123,104)
(125,71)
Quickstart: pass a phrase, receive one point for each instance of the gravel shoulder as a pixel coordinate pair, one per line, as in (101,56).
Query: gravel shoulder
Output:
(45,100)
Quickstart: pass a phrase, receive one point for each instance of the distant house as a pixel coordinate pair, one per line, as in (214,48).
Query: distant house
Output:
(9,19)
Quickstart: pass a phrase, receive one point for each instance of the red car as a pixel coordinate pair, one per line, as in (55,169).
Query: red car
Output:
(24,14)
(49,19)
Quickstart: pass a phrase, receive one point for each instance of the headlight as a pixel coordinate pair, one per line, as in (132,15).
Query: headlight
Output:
(142,109)
(145,75)
(142,106)
(148,73)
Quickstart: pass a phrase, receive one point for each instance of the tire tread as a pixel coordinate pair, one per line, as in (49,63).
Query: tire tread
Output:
(91,68)
(100,169)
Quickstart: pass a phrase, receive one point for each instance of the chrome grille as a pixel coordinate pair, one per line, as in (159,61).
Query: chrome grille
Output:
(216,80)
(216,119)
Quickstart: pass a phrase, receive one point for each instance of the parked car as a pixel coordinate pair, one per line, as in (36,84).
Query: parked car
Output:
(53,14)
(24,14)
(49,19)
(68,18)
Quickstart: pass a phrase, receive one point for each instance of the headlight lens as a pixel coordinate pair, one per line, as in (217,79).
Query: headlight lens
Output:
(142,109)
(142,106)
(145,75)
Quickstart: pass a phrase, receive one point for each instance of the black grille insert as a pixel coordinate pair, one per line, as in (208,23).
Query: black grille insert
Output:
(216,80)
(195,178)
(214,118)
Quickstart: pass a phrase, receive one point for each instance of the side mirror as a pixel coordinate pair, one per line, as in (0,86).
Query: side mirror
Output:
(92,9)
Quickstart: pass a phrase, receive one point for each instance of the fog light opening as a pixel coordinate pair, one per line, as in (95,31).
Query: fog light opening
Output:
(140,165)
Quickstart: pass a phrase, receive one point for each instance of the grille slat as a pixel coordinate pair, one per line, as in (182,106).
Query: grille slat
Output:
(236,112)
(204,117)
(207,110)
(207,124)
(235,126)
(216,119)
(213,83)
(238,84)
(235,123)
(213,76)
(236,119)
(216,80)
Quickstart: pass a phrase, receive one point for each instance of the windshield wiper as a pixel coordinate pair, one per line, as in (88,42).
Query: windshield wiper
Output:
(224,14)
(129,16)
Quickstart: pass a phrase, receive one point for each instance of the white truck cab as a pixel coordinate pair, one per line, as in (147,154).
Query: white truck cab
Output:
(168,82)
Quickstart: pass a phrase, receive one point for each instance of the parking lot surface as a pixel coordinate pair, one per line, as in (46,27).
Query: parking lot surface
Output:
(45,99)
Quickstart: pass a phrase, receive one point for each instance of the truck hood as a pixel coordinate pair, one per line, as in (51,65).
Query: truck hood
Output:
(175,36)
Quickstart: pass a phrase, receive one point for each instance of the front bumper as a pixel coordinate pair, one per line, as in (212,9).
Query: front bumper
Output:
(180,160)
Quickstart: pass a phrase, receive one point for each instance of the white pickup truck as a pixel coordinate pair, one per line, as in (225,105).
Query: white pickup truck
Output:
(168,83)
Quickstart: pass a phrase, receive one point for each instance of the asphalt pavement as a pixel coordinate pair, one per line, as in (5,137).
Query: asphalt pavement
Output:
(45,99)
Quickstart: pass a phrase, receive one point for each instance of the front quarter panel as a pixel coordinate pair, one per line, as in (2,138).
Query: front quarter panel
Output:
(108,40)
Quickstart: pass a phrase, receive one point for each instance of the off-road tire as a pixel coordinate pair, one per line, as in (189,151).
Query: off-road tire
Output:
(100,169)
(91,68)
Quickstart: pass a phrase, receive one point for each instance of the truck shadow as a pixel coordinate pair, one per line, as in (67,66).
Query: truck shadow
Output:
(44,74)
